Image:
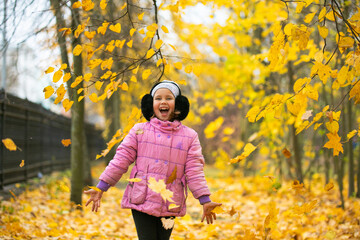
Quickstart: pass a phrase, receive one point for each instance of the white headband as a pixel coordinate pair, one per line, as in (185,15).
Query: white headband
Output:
(172,86)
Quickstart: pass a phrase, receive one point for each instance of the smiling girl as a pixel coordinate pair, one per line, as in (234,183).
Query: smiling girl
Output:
(159,148)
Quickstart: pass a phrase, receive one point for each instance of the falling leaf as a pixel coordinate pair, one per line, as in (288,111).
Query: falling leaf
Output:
(66,142)
(9,144)
(286,153)
(329,186)
(172,176)
(232,211)
(22,163)
(160,187)
(134,179)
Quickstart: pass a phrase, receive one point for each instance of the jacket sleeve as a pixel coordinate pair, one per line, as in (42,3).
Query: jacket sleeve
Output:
(194,170)
(124,157)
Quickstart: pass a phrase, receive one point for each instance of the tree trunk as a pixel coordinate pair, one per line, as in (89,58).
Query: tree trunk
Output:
(77,121)
(351,169)
(295,138)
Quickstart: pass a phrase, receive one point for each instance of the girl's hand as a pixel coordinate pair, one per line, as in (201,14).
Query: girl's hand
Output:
(207,212)
(95,197)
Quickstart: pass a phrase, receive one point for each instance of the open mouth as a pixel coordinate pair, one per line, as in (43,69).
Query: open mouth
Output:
(164,110)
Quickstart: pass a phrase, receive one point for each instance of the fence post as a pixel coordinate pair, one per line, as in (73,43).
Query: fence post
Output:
(2,134)
(26,145)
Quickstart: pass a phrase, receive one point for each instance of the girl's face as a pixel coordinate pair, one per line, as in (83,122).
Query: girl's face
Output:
(164,104)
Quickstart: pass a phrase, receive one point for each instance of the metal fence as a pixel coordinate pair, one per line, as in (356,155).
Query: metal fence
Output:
(38,133)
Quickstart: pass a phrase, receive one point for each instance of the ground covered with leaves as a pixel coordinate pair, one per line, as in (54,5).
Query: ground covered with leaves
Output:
(258,207)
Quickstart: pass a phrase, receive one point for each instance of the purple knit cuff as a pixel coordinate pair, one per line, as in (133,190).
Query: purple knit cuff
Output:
(204,199)
(103,186)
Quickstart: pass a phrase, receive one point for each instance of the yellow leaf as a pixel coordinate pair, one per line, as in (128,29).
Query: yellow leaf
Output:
(172,47)
(330,16)
(66,77)
(333,126)
(103,4)
(133,79)
(212,127)
(317,125)
(93,97)
(87,77)
(132,31)
(80,98)
(178,65)
(158,43)
(63,66)
(123,6)
(98,84)
(60,94)
(346,42)
(172,206)
(22,163)
(115,28)
(57,76)
(172,176)
(309,17)
(160,187)
(49,70)
(49,90)
(77,81)
(79,30)
(322,14)
(66,142)
(80,90)
(188,69)
(146,73)
(135,70)
(299,84)
(76,4)
(95,188)
(67,104)
(159,62)
(150,53)
(323,31)
(129,43)
(164,28)
(134,179)
(87,5)
(334,143)
(248,149)
(218,210)
(90,35)
(329,186)
(77,50)
(124,86)
(102,28)
(9,144)
(142,31)
(98,156)
(319,56)
(141,16)
(252,114)
(351,134)
(228,131)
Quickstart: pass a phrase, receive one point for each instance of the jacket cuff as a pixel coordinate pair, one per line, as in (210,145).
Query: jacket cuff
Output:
(103,186)
(204,199)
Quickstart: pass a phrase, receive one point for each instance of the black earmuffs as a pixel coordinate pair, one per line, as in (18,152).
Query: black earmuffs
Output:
(182,105)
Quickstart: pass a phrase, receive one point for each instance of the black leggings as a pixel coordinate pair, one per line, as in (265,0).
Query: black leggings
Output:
(150,227)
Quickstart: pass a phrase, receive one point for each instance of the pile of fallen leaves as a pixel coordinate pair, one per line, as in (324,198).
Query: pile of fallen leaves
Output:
(257,207)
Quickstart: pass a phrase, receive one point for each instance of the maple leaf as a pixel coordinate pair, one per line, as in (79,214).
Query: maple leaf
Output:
(334,143)
(160,187)
(329,186)
(172,176)
(168,223)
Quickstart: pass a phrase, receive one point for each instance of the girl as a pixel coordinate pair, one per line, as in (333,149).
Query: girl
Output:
(160,148)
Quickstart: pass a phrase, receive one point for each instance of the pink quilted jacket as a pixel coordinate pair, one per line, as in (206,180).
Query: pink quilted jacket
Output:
(157,147)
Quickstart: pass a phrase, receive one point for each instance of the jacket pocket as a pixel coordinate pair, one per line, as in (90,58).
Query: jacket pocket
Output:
(138,190)
(178,189)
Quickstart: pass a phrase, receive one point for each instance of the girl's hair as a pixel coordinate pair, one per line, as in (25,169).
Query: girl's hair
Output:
(182,105)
